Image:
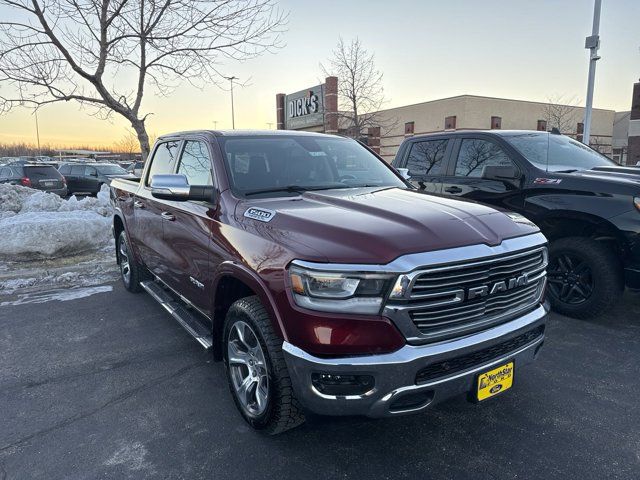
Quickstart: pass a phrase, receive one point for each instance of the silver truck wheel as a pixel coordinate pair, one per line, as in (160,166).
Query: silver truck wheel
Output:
(256,371)
(130,272)
(248,369)
(125,268)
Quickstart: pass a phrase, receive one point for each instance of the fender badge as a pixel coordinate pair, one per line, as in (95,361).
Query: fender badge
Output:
(261,214)
(545,181)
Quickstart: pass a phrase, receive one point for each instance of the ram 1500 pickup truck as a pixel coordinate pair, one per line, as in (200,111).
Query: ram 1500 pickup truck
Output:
(586,205)
(324,281)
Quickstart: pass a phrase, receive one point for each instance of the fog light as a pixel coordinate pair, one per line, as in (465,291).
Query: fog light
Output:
(331,384)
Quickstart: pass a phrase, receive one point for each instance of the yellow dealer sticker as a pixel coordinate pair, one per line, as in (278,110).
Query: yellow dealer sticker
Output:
(495,381)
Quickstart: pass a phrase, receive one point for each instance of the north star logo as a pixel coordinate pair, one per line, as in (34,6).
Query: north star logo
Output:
(497,287)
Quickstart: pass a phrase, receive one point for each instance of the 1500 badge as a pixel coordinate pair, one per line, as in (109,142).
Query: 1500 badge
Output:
(261,214)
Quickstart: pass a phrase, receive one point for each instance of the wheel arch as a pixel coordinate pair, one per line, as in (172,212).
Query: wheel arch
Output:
(231,283)
(561,224)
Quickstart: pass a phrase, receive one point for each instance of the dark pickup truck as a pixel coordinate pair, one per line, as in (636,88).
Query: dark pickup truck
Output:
(323,280)
(586,205)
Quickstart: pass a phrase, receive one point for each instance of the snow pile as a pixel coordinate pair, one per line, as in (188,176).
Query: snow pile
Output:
(36,224)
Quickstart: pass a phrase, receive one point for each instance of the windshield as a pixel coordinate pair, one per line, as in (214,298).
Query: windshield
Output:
(111,170)
(288,165)
(564,153)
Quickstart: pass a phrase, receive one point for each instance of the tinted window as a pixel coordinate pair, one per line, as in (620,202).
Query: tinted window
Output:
(77,170)
(425,158)
(5,172)
(475,154)
(90,171)
(111,170)
(163,160)
(305,162)
(64,169)
(195,163)
(557,152)
(41,172)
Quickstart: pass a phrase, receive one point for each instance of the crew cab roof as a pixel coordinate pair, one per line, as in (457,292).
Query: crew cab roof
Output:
(244,133)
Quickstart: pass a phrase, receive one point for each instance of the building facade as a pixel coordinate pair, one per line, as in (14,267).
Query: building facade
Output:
(316,109)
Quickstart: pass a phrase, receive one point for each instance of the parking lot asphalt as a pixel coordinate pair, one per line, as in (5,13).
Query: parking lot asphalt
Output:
(109,386)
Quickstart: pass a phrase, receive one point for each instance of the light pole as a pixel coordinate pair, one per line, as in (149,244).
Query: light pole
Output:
(37,132)
(592,43)
(233,120)
(215,124)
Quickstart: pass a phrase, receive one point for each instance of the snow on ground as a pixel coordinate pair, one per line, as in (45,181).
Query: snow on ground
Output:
(46,240)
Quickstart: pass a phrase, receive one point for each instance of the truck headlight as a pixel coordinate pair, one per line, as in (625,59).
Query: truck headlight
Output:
(339,292)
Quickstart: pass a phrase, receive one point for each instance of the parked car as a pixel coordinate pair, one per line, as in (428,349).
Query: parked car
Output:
(89,177)
(586,205)
(41,177)
(323,280)
(136,168)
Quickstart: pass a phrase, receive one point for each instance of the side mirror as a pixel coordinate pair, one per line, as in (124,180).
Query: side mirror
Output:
(177,188)
(404,172)
(500,172)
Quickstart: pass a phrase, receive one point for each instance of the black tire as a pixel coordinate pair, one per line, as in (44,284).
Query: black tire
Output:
(126,259)
(595,270)
(282,411)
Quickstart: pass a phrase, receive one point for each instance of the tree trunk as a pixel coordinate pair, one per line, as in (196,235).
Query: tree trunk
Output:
(143,137)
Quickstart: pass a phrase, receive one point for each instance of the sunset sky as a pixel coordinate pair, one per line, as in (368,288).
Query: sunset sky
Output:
(518,49)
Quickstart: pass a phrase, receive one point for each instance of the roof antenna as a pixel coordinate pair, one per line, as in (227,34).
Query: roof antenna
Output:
(555,131)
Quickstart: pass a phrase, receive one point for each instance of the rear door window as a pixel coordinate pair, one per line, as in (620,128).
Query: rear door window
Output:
(64,169)
(163,161)
(195,163)
(77,170)
(90,171)
(475,154)
(426,158)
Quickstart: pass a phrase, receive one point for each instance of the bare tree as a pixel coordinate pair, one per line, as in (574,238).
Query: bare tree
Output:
(104,53)
(360,91)
(561,113)
(129,144)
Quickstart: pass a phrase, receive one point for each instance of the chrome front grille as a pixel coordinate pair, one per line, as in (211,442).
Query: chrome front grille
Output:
(459,298)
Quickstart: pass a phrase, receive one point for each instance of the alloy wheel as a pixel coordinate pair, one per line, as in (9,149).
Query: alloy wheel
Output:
(570,279)
(248,369)
(125,267)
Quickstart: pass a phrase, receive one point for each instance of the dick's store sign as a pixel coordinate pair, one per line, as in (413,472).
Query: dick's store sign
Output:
(305,108)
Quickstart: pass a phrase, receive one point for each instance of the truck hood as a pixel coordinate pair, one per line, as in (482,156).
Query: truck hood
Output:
(375,226)
(619,177)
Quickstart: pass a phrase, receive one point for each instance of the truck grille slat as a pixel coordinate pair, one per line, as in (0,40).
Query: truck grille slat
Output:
(507,284)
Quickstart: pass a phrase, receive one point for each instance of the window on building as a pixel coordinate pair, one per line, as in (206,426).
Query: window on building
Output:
(496,123)
(450,123)
(409,128)
(163,160)
(195,163)
(425,158)
(542,126)
(475,154)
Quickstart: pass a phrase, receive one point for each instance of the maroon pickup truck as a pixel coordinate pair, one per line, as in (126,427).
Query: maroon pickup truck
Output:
(324,281)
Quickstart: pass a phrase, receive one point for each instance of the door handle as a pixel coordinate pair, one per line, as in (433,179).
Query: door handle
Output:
(138,204)
(453,190)
(168,216)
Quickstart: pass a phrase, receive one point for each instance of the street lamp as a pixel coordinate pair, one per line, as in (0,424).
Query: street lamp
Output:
(592,43)
(233,120)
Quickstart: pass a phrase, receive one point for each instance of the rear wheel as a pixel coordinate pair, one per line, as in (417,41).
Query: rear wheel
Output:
(585,277)
(130,272)
(256,370)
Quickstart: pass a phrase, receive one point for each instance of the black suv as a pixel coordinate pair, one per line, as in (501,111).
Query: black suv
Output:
(41,177)
(89,177)
(587,206)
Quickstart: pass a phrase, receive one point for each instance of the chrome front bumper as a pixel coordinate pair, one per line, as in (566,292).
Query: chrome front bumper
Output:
(395,373)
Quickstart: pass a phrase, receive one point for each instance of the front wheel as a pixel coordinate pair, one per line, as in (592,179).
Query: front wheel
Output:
(584,277)
(256,370)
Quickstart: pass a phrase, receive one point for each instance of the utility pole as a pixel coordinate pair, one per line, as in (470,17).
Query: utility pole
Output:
(233,120)
(592,43)
(215,124)
(37,132)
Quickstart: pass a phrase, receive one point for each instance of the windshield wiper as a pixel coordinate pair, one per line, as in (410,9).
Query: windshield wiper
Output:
(566,171)
(291,189)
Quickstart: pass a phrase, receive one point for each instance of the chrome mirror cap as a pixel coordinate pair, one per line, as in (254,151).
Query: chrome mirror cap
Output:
(174,186)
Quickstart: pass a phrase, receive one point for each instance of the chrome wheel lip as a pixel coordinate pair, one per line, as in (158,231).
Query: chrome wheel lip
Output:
(125,266)
(247,369)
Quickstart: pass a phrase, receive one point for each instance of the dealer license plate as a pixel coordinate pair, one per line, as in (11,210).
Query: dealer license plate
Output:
(495,381)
